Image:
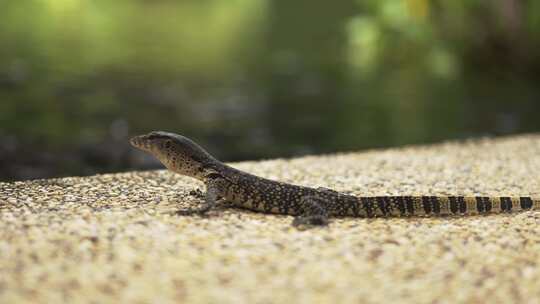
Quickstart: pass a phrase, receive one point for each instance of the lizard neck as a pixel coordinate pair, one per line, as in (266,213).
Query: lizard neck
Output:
(194,167)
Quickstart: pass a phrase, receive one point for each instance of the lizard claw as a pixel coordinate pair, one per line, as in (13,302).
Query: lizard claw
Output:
(194,211)
(310,221)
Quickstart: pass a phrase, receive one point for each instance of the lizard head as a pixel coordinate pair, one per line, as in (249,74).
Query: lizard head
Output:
(178,153)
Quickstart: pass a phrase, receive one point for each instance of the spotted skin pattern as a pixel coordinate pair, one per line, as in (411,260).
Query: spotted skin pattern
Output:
(310,206)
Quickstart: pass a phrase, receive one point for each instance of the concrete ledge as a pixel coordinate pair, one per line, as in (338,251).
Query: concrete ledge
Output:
(110,238)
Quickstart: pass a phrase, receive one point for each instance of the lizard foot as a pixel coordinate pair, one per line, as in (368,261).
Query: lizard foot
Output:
(203,209)
(314,214)
(310,221)
(194,211)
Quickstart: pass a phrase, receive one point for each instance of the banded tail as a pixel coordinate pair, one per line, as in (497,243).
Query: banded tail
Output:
(378,206)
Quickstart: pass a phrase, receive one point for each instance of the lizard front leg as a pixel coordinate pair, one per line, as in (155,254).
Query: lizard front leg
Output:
(313,212)
(214,189)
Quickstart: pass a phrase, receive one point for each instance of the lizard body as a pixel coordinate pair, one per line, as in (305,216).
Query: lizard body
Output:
(310,206)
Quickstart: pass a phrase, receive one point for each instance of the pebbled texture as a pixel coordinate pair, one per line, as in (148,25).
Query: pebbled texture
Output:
(111,238)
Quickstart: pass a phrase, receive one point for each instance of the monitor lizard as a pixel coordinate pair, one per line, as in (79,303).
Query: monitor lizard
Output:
(310,206)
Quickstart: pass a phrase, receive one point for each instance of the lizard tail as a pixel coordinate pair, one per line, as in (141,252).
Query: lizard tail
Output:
(441,205)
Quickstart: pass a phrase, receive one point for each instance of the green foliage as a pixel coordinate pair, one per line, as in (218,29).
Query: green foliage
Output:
(283,77)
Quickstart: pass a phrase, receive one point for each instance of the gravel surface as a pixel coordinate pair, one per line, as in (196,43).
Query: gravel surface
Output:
(110,238)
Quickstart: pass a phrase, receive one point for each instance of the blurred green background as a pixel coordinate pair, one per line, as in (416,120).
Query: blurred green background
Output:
(252,79)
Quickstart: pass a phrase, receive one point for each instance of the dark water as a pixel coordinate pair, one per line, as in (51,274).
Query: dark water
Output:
(257,79)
